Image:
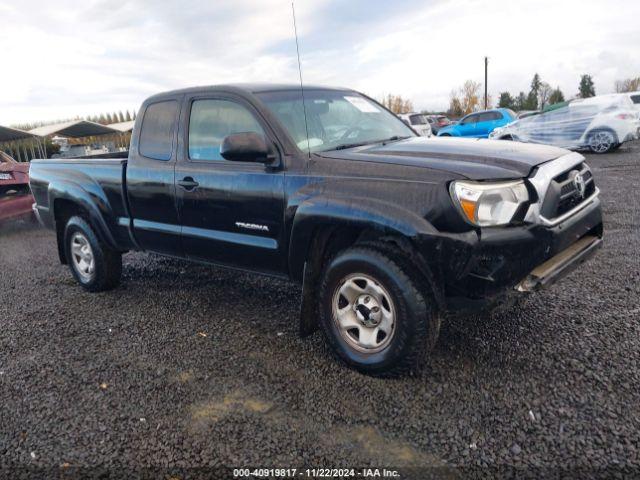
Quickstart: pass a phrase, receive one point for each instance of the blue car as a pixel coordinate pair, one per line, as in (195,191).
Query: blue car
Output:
(479,124)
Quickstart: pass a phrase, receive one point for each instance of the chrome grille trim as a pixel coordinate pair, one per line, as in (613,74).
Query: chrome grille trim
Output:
(541,181)
(555,221)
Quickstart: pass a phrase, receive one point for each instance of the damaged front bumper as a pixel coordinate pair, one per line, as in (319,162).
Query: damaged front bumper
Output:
(505,263)
(560,265)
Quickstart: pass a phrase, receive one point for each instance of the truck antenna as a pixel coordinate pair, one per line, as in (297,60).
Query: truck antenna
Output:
(304,108)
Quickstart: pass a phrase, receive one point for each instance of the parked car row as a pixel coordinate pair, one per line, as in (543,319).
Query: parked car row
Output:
(425,125)
(600,124)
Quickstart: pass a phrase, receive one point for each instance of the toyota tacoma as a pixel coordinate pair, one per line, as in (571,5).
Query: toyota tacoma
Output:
(386,231)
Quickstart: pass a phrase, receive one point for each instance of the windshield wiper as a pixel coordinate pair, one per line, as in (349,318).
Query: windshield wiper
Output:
(395,138)
(345,146)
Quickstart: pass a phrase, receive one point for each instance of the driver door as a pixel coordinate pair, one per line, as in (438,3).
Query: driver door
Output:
(468,125)
(232,213)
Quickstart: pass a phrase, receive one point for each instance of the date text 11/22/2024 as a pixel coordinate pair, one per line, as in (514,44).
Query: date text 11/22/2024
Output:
(315,473)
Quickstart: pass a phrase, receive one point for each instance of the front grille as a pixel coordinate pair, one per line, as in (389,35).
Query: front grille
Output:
(565,192)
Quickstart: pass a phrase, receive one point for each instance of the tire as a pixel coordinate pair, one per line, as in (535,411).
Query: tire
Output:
(445,135)
(388,282)
(94,266)
(602,140)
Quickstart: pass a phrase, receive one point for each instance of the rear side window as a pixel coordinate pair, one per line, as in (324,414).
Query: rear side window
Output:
(211,121)
(156,134)
(469,119)
(635,99)
(490,116)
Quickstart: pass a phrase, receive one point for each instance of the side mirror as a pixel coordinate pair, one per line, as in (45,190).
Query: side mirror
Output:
(246,147)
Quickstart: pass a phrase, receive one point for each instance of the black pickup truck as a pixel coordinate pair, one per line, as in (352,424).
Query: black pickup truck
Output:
(387,232)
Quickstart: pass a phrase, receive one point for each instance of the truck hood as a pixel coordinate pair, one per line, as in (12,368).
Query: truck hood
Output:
(476,159)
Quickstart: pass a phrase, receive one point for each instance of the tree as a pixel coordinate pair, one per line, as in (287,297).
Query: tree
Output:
(455,104)
(627,85)
(531,103)
(544,93)
(587,88)
(397,104)
(470,96)
(536,83)
(532,99)
(506,100)
(521,101)
(556,96)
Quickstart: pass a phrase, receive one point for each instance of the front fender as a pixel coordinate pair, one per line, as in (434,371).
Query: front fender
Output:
(319,212)
(443,132)
(93,201)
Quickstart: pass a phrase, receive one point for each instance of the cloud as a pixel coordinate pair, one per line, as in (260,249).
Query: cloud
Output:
(68,58)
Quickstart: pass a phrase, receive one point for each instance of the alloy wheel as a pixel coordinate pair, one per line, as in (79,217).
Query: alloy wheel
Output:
(601,142)
(364,313)
(82,256)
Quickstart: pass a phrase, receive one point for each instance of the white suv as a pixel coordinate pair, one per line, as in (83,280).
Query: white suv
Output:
(417,121)
(600,124)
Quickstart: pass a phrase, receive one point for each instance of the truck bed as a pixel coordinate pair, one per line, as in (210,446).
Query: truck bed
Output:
(100,181)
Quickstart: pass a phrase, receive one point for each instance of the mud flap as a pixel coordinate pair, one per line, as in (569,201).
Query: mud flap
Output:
(309,301)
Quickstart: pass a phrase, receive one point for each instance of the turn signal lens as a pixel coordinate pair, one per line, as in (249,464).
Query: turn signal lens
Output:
(489,204)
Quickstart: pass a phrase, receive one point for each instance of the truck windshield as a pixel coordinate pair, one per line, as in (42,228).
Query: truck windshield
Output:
(335,119)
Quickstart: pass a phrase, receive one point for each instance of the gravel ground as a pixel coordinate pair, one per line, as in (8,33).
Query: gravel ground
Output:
(188,366)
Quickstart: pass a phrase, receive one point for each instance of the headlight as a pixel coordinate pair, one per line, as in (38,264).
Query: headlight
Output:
(495,132)
(489,204)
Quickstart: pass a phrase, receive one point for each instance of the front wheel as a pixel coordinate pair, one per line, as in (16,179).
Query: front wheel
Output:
(375,314)
(95,266)
(602,141)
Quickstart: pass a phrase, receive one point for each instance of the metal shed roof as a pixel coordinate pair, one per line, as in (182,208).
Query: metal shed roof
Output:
(8,134)
(123,126)
(75,129)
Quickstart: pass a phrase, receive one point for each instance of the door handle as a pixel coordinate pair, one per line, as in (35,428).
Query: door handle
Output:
(188,183)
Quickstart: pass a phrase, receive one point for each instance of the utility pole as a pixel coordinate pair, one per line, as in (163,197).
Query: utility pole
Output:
(486,98)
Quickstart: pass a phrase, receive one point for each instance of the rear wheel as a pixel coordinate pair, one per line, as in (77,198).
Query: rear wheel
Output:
(374,312)
(602,141)
(95,266)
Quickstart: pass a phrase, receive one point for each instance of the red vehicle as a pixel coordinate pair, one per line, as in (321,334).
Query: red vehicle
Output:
(15,196)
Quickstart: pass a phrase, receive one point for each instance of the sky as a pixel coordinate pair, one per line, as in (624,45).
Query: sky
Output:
(62,59)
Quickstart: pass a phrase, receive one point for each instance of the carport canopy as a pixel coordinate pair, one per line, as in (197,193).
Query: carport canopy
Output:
(123,127)
(8,134)
(75,129)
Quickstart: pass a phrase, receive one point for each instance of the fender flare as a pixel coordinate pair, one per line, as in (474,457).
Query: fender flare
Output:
(319,213)
(94,202)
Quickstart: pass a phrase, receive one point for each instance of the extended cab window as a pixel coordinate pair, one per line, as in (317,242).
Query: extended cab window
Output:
(211,121)
(156,135)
